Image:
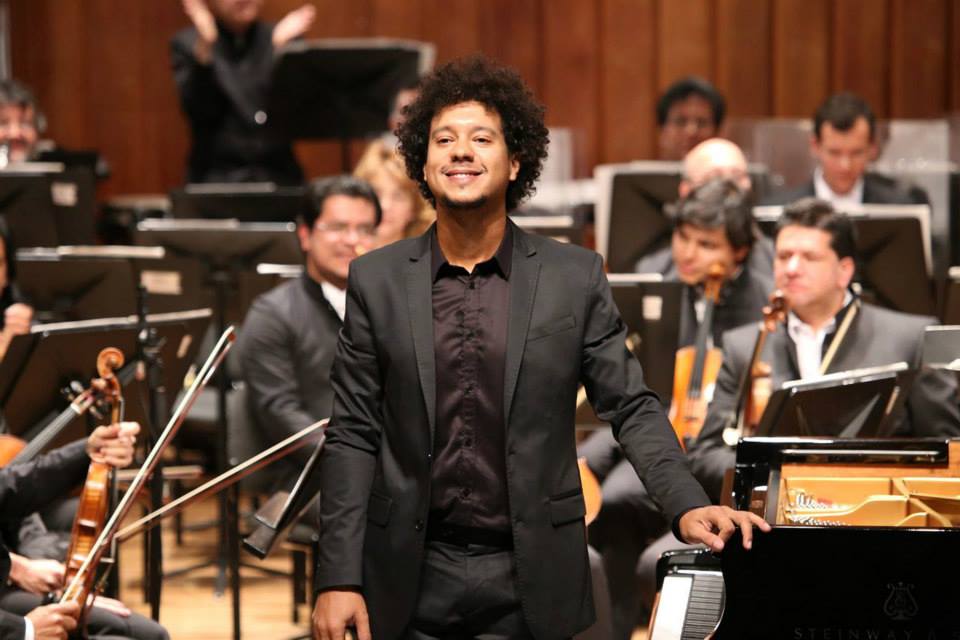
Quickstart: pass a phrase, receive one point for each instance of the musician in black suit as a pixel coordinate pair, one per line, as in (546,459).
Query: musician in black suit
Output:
(814,267)
(30,486)
(844,143)
(455,387)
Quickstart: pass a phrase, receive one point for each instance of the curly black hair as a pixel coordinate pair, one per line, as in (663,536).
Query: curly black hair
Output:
(477,79)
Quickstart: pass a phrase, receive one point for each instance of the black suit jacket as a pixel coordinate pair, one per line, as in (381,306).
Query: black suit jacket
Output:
(563,330)
(876,337)
(877,189)
(28,487)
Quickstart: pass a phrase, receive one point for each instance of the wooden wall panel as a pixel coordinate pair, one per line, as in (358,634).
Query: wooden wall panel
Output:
(918,86)
(860,61)
(510,32)
(571,80)
(801,56)
(743,40)
(628,85)
(685,40)
(100,68)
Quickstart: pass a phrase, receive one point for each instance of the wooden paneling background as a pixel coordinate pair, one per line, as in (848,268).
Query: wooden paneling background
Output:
(101,70)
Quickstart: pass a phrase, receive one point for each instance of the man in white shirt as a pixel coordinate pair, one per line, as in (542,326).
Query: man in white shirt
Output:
(844,142)
(828,330)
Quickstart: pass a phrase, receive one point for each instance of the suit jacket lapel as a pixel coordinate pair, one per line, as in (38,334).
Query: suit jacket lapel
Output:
(524,273)
(420,305)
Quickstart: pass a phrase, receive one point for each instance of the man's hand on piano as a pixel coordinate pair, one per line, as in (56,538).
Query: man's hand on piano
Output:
(713,526)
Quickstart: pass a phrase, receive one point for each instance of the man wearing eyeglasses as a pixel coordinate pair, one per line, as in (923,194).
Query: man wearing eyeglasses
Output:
(286,345)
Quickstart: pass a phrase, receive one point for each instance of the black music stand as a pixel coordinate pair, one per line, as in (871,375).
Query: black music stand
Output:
(847,404)
(226,248)
(250,202)
(82,283)
(650,308)
(342,88)
(45,205)
(893,250)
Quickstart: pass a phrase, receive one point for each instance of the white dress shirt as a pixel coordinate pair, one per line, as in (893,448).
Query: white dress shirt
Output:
(839,201)
(809,342)
(336,297)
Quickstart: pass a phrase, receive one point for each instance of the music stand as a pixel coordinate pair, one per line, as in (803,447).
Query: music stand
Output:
(629,216)
(45,205)
(847,404)
(250,202)
(894,256)
(941,347)
(42,362)
(226,248)
(342,88)
(650,308)
(950,312)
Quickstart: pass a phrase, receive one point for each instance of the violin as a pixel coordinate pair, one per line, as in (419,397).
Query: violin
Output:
(80,581)
(696,368)
(756,385)
(95,496)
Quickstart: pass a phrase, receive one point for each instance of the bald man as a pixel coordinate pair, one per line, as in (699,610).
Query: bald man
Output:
(712,223)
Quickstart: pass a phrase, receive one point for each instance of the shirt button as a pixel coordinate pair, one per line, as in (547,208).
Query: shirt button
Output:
(472,285)
(429,456)
(419,525)
(260,117)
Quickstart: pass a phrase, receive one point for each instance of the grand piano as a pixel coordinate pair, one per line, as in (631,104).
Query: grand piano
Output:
(865,546)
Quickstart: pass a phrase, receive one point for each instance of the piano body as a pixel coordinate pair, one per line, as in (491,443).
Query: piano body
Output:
(865,544)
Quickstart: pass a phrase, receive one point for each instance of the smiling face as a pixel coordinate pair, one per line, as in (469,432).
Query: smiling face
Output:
(468,164)
(345,228)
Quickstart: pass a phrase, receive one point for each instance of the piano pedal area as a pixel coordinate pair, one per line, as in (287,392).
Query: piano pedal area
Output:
(864,546)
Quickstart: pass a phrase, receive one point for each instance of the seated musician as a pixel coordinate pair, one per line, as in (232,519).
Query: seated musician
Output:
(30,486)
(814,265)
(712,224)
(843,143)
(289,337)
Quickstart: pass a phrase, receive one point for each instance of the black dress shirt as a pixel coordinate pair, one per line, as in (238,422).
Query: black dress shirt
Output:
(226,106)
(468,481)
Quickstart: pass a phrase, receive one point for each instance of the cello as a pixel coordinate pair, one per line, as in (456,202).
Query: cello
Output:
(696,368)
(756,386)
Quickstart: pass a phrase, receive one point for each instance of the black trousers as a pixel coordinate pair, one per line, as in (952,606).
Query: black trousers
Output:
(467,592)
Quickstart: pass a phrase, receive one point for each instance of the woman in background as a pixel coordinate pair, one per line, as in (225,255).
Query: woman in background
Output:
(405,212)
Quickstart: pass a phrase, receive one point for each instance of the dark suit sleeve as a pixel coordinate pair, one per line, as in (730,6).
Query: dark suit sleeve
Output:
(12,627)
(709,455)
(29,487)
(201,97)
(352,445)
(267,358)
(614,384)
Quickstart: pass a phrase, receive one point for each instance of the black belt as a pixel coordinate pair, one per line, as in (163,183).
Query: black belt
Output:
(463,536)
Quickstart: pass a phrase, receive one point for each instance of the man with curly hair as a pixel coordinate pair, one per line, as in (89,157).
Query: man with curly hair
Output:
(451,503)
